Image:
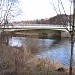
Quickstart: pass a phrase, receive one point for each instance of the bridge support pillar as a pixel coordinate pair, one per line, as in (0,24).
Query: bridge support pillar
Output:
(65,34)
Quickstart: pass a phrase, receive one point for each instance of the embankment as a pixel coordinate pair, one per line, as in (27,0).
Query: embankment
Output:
(39,33)
(19,61)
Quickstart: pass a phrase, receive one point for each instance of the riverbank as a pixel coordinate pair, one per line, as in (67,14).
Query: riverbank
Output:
(20,61)
(39,33)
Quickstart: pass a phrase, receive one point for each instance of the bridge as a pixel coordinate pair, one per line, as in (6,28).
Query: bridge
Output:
(33,26)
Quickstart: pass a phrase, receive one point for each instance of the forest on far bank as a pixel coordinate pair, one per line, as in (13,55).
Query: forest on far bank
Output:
(58,19)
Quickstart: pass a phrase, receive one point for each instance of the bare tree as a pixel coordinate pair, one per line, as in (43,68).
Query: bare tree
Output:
(71,27)
(8,10)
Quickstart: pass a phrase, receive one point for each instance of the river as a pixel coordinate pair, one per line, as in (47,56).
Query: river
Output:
(56,50)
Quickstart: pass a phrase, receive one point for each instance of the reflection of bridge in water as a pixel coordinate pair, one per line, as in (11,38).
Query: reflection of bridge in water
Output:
(33,26)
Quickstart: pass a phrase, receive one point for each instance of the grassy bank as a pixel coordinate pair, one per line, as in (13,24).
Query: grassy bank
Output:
(41,30)
(20,61)
(39,33)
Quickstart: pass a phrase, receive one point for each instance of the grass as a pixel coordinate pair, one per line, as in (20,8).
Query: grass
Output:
(39,33)
(20,61)
(41,30)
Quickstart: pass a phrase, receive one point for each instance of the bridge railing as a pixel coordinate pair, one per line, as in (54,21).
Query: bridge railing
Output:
(29,25)
(37,25)
(33,26)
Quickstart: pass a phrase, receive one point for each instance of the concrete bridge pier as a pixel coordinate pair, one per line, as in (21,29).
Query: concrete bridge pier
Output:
(65,34)
(1,31)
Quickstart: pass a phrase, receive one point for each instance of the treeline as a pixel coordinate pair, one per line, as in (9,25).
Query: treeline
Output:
(58,19)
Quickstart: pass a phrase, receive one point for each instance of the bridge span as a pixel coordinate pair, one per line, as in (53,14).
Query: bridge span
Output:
(16,27)
(33,26)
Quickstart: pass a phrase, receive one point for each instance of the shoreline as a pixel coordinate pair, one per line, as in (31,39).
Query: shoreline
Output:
(23,63)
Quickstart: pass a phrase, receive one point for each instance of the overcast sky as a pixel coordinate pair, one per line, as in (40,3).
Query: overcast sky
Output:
(38,9)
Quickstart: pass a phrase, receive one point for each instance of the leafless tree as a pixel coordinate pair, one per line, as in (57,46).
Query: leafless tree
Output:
(71,25)
(8,10)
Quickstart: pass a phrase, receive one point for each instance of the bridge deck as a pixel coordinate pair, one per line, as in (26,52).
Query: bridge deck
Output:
(34,26)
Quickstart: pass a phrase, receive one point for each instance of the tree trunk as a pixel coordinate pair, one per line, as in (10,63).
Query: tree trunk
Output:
(72,40)
(72,49)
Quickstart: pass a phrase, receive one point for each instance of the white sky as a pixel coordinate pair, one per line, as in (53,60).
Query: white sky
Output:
(38,9)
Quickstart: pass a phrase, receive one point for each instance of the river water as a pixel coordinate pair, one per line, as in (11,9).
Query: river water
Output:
(56,50)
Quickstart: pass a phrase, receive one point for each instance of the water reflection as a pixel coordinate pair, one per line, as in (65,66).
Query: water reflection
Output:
(16,41)
(52,48)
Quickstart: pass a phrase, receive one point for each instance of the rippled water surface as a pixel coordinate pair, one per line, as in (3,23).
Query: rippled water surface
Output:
(56,50)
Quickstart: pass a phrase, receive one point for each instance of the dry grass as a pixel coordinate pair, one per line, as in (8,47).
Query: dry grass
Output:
(19,61)
(39,66)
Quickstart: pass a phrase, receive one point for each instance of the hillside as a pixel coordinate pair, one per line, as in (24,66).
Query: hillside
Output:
(58,19)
